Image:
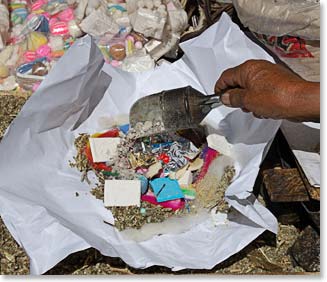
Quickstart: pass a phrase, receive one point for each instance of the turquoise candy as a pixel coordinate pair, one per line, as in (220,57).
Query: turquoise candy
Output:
(66,46)
(143,211)
(166,189)
(144,184)
(18,16)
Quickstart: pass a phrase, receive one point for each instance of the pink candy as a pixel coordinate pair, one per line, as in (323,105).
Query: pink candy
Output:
(47,15)
(115,63)
(66,15)
(173,204)
(36,86)
(37,5)
(59,28)
(29,16)
(130,37)
(141,170)
(29,56)
(52,21)
(138,45)
(43,51)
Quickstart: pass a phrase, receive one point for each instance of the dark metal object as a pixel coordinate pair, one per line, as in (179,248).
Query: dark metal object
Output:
(304,138)
(312,208)
(197,136)
(177,109)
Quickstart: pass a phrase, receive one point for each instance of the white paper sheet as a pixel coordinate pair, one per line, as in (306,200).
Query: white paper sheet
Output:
(116,191)
(310,163)
(37,189)
(104,149)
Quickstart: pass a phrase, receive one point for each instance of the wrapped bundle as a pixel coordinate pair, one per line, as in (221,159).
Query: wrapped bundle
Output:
(4,23)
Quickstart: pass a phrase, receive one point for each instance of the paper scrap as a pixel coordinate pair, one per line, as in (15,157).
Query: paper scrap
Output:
(189,193)
(219,143)
(196,164)
(192,156)
(310,163)
(104,149)
(186,179)
(153,170)
(122,193)
(166,189)
(179,173)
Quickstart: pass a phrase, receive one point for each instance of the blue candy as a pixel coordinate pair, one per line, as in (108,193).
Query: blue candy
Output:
(44,25)
(144,184)
(117,7)
(24,68)
(124,128)
(19,15)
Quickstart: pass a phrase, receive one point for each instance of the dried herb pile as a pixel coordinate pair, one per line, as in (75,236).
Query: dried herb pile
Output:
(136,217)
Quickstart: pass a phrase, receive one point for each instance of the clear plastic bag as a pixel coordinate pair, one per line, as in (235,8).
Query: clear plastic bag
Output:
(281,17)
(4,23)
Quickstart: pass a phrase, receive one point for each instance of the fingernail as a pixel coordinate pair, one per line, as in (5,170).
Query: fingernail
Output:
(225,99)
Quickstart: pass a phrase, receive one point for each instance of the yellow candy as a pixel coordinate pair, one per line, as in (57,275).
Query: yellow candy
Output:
(129,47)
(4,71)
(35,40)
(40,11)
(15,6)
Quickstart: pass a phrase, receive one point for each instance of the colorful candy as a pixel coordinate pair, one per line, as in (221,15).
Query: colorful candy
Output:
(14,6)
(57,54)
(138,45)
(117,52)
(69,41)
(18,16)
(35,40)
(59,28)
(4,71)
(52,21)
(66,15)
(43,51)
(129,46)
(164,157)
(29,56)
(44,24)
(115,63)
(37,5)
(35,86)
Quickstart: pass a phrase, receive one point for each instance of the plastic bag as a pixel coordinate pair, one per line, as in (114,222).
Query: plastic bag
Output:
(281,17)
(4,23)
(289,28)
(121,47)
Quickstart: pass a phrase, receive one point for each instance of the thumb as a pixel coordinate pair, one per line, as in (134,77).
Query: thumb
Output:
(233,98)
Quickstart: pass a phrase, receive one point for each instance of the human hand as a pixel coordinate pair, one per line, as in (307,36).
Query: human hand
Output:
(269,91)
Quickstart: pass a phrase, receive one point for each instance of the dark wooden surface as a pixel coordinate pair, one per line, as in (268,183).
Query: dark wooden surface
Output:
(285,185)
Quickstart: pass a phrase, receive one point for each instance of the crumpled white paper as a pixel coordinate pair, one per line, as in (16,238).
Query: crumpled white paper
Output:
(37,187)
